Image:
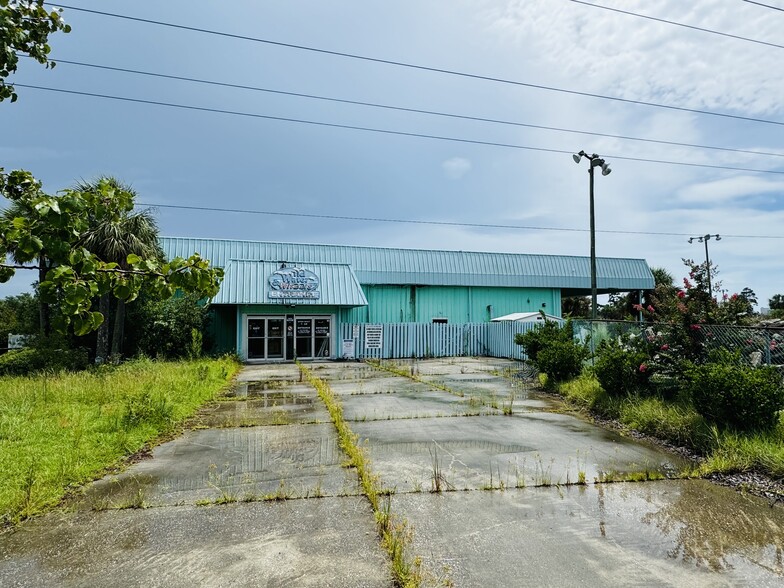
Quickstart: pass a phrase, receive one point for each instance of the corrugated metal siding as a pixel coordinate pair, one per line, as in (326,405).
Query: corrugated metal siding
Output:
(509,300)
(377,265)
(442,302)
(245,282)
(388,304)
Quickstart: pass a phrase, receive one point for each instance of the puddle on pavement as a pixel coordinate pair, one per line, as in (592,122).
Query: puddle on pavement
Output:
(673,533)
(253,388)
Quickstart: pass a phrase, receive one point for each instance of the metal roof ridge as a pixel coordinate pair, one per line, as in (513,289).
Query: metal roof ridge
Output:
(375,247)
(289,261)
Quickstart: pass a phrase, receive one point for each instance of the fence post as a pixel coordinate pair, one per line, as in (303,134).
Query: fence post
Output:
(768,337)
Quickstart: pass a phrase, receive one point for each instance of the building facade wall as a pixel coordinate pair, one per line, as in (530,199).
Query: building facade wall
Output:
(456,304)
(387,305)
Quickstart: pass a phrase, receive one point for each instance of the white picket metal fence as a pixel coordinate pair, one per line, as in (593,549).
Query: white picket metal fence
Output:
(403,340)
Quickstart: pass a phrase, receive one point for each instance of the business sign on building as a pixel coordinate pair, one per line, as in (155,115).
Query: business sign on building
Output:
(294,283)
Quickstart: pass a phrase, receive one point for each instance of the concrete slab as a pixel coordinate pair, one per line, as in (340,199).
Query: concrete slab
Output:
(521,450)
(337,370)
(670,533)
(317,542)
(265,408)
(409,404)
(459,365)
(269,372)
(380,383)
(232,464)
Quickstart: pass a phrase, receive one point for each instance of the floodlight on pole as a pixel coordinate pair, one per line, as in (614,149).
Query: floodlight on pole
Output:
(595,161)
(705,239)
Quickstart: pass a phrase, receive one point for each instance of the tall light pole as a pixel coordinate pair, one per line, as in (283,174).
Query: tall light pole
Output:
(595,161)
(705,239)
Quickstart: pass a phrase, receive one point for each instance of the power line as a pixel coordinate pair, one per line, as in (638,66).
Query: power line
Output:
(422,67)
(764,5)
(680,24)
(390,131)
(412,110)
(431,222)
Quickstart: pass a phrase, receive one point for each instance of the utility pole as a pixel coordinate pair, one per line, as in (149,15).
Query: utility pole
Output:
(705,239)
(595,161)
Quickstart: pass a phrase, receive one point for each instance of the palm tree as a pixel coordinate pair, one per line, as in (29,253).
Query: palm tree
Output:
(113,241)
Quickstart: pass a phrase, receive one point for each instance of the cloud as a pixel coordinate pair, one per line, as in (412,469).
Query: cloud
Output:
(728,189)
(640,59)
(456,167)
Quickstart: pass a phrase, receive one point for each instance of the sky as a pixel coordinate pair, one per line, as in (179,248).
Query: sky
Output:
(644,209)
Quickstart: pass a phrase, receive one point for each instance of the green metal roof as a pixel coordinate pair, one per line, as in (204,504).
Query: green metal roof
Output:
(381,265)
(247,282)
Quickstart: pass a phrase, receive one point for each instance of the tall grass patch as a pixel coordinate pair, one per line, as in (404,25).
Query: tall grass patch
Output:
(58,431)
(744,452)
(585,391)
(676,423)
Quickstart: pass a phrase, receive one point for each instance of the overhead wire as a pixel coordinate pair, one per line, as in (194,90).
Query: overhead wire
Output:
(764,5)
(411,110)
(679,24)
(436,223)
(391,131)
(421,135)
(420,67)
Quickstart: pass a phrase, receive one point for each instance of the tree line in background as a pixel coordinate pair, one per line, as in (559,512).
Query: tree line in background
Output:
(668,302)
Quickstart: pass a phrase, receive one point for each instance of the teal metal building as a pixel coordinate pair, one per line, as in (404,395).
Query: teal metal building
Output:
(279,301)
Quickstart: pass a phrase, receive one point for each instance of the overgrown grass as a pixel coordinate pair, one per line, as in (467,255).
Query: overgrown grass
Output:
(58,431)
(394,531)
(678,422)
(734,452)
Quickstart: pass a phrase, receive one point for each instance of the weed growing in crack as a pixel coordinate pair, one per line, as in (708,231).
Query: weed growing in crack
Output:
(508,407)
(543,476)
(395,534)
(282,493)
(438,482)
(137,501)
(519,475)
(222,483)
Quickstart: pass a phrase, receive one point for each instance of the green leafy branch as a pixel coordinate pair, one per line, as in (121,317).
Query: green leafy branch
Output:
(25,26)
(50,229)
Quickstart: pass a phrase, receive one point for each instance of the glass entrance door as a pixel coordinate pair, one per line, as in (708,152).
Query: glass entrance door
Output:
(289,337)
(265,338)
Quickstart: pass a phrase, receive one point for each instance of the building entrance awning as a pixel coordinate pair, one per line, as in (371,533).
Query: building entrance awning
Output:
(284,282)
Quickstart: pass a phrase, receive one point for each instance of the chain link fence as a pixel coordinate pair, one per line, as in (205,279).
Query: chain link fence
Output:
(756,345)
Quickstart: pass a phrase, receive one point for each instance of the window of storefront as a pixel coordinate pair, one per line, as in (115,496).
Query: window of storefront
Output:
(289,337)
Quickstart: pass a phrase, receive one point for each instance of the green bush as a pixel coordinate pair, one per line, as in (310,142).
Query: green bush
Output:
(551,348)
(561,360)
(621,370)
(34,359)
(172,329)
(736,396)
(534,340)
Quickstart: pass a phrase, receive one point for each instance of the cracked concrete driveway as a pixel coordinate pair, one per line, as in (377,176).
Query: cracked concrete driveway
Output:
(256,493)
